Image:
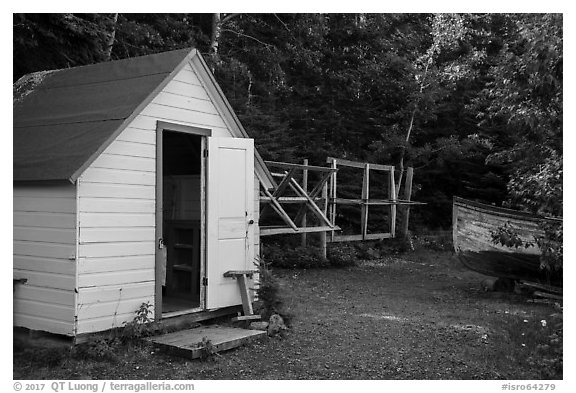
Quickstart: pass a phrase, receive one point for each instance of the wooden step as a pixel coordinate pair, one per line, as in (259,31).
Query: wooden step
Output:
(188,343)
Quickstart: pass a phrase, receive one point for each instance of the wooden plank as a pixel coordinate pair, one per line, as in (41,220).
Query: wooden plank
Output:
(131,149)
(323,246)
(268,231)
(246,301)
(115,278)
(287,165)
(119,234)
(407,197)
(110,220)
(116,161)
(111,293)
(33,322)
(333,196)
(312,196)
(116,249)
(126,191)
(360,165)
(48,295)
(392,196)
(136,135)
(276,206)
(278,192)
(315,209)
(45,235)
(303,220)
(168,113)
(352,238)
(120,306)
(44,309)
(183,102)
(222,338)
(236,273)
(44,264)
(119,176)
(115,263)
(365,197)
(115,205)
(46,250)
(186,90)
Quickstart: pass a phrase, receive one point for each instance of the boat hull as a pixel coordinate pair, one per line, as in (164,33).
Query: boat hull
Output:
(473,224)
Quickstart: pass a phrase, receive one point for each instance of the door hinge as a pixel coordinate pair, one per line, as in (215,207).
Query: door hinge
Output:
(205,153)
(205,281)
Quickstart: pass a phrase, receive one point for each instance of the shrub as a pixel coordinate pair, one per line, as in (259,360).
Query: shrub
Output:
(299,257)
(342,254)
(268,294)
(141,326)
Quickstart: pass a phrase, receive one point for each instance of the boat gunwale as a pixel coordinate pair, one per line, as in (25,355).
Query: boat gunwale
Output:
(501,211)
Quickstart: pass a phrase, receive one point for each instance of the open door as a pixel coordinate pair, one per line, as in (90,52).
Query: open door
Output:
(229,217)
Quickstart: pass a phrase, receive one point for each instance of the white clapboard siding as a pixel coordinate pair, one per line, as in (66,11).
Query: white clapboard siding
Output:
(65,267)
(108,235)
(35,322)
(183,102)
(109,294)
(46,280)
(108,265)
(102,309)
(113,320)
(113,161)
(45,235)
(115,249)
(131,149)
(44,248)
(116,205)
(136,135)
(59,296)
(127,191)
(115,278)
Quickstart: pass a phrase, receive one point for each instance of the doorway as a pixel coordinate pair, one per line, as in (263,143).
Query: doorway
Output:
(182,221)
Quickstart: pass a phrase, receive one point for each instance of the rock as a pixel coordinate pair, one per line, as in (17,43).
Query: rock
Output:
(260,325)
(276,325)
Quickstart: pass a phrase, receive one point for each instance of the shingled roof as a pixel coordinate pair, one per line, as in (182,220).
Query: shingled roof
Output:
(64,118)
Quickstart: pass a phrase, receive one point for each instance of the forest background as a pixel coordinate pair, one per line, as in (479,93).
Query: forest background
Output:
(472,101)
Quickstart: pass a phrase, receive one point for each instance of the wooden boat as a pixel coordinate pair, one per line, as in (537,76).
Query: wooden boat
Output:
(472,226)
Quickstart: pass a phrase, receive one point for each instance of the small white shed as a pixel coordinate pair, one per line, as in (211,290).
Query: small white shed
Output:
(134,182)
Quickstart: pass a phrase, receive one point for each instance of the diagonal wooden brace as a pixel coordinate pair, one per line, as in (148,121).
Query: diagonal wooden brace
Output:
(313,206)
(279,190)
(313,194)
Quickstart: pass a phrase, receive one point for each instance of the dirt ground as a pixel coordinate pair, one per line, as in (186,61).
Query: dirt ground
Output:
(418,315)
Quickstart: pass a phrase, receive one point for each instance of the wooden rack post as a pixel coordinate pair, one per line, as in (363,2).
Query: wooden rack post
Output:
(305,188)
(407,197)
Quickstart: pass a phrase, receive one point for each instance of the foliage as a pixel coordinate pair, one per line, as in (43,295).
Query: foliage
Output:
(296,257)
(268,293)
(342,255)
(98,348)
(507,236)
(472,101)
(207,349)
(141,326)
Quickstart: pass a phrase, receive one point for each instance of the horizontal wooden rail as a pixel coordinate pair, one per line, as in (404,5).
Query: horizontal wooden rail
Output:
(278,230)
(299,166)
(361,165)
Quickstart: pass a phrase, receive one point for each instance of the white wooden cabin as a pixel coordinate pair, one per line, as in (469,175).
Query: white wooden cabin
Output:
(134,182)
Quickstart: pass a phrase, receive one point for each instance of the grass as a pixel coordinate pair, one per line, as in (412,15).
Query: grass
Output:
(418,315)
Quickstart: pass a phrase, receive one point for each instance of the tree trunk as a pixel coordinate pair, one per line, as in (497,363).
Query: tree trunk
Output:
(111,39)
(215,39)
